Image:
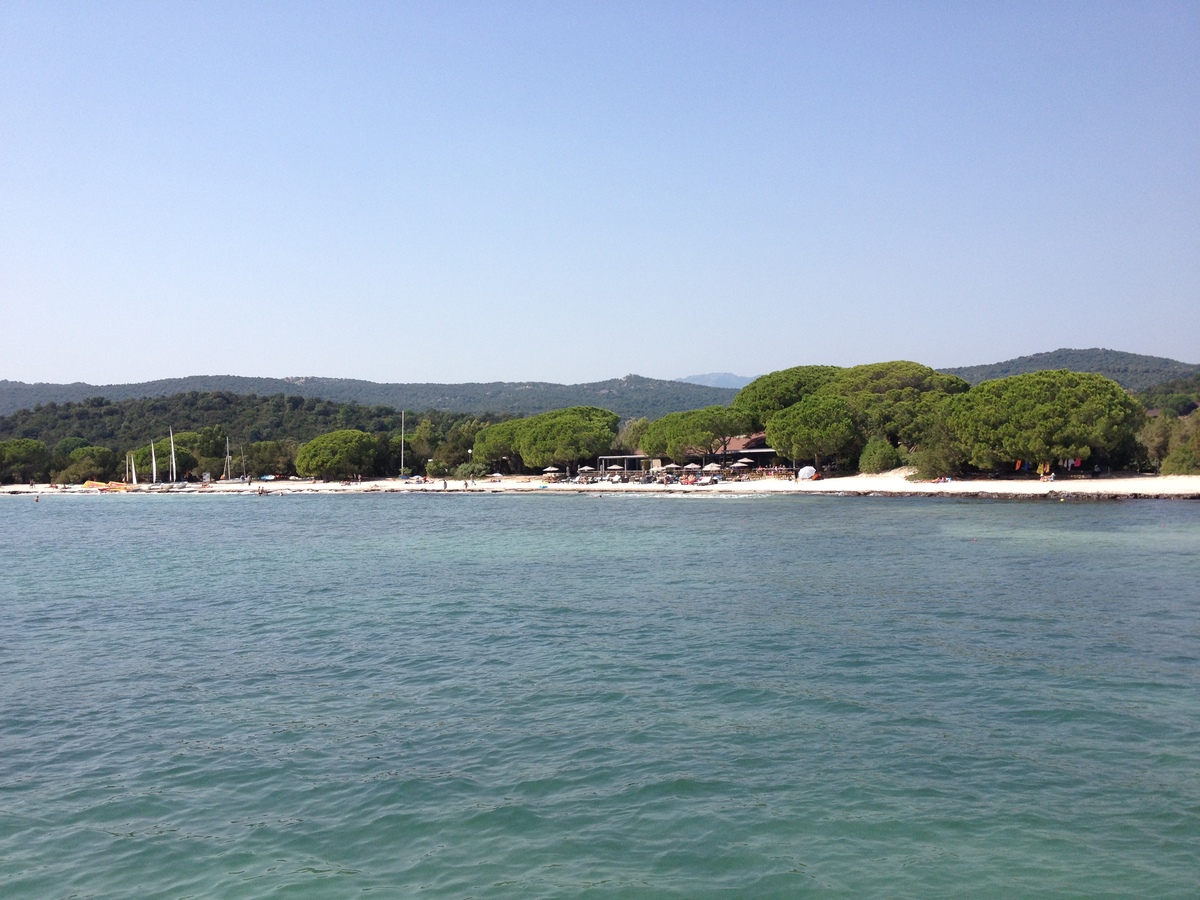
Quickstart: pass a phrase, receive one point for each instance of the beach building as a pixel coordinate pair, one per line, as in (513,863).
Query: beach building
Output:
(755,447)
(629,462)
(750,448)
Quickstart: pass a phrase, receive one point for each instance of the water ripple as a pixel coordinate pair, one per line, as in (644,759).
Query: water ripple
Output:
(534,696)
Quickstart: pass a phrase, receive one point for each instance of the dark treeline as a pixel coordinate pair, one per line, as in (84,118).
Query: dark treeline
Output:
(133,423)
(631,396)
(870,418)
(73,442)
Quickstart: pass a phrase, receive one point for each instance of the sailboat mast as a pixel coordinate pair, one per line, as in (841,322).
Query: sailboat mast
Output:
(171,434)
(401,442)
(153,465)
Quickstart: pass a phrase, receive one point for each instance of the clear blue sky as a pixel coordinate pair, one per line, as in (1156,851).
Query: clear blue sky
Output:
(571,192)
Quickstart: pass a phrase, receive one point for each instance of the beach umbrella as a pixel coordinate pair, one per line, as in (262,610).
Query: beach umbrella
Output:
(615,469)
(586,469)
(692,466)
(712,467)
(496,475)
(671,466)
(745,460)
(738,465)
(551,469)
(806,473)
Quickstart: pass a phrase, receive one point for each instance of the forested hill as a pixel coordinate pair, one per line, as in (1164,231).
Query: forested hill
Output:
(631,396)
(1130,370)
(121,424)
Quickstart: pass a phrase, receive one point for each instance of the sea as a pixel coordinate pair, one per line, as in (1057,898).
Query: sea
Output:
(558,696)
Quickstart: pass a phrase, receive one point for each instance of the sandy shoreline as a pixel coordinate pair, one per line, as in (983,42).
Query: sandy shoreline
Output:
(893,484)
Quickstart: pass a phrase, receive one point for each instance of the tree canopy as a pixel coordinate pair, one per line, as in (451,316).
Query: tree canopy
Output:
(816,428)
(697,432)
(895,400)
(497,443)
(339,454)
(1043,416)
(267,458)
(566,435)
(559,437)
(629,438)
(22,459)
(770,393)
(90,463)
(185,460)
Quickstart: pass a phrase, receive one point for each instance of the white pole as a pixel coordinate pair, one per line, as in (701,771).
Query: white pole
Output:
(153,465)
(401,442)
(172,436)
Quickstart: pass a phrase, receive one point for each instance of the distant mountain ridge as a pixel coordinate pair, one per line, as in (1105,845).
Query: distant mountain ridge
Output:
(1132,371)
(631,396)
(718,379)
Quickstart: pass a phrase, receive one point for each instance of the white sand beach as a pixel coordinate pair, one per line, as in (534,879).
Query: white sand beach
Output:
(894,483)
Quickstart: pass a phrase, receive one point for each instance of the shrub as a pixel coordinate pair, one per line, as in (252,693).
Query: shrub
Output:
(878,456)
(470,470)
(1181,461)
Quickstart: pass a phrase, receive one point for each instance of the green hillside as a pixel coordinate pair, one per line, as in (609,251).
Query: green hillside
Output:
(1179,395)
(631,396)
(1130,370)
(122,424)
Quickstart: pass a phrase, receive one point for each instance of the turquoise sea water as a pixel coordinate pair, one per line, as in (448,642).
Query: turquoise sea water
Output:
(548,696)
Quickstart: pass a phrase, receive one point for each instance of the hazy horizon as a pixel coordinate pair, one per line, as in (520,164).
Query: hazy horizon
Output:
(498,192)
(712,379)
